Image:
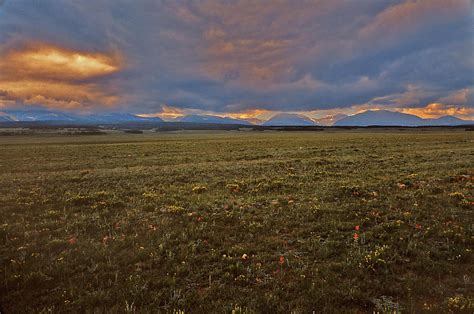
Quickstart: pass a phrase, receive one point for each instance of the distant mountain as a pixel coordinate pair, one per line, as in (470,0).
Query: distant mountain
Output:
(38,115)
(4,117)
(289,119)
(117,118)
(392,118)
(447,120)
(380,117)
(43,115)
(210,119)
(331,119)
(254,121)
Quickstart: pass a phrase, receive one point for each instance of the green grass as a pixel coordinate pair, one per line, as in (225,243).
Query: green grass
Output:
(235,221)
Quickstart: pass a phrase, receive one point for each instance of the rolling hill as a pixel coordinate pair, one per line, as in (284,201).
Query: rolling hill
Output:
(289,119)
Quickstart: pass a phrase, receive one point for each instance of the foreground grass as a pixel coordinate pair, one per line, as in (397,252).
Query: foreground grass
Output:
(238,222)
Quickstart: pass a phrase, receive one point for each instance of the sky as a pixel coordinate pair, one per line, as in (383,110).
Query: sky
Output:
(243,59)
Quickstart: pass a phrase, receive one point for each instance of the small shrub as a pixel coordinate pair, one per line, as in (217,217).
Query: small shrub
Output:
(199,189)
(173,209)
(386,304)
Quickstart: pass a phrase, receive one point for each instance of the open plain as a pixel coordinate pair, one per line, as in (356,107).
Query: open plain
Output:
(229,221)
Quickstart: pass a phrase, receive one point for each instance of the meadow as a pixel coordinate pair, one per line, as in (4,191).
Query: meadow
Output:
(238,222)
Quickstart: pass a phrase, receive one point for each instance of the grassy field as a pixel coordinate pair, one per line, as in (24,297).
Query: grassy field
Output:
(330,221)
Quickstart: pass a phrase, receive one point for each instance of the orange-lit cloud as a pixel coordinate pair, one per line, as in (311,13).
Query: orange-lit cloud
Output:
(252,44)
(409,16)
(436,110)
(170,112)
(56,77)
(249,114)
(56,63)
(167,113)
(247,61)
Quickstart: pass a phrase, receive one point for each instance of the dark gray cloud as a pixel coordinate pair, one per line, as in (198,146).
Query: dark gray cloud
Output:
(238,55)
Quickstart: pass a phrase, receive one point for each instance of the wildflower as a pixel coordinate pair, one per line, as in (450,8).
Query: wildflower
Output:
(199,219)
(72,240)
(245,257)
(356,228)
(418,226)
(105,239)
(355,236)
(282,260)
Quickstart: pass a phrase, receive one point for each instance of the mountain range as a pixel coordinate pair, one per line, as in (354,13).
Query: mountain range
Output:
(366,118)
(43,115)
(392,118)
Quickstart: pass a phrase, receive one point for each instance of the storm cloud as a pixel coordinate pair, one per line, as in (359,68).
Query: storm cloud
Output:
(238,56)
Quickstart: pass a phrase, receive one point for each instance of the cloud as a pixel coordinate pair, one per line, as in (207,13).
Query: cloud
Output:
(236,56)
(436,110)
(409,18)
(168,112)
(57,77)
(42,61)
(463,96)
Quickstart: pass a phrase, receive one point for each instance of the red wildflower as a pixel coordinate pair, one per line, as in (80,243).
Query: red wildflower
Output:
(356,237)
(356,228)
(282,260)
(199,219)
(72,240)
(402,185)
(418,226)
